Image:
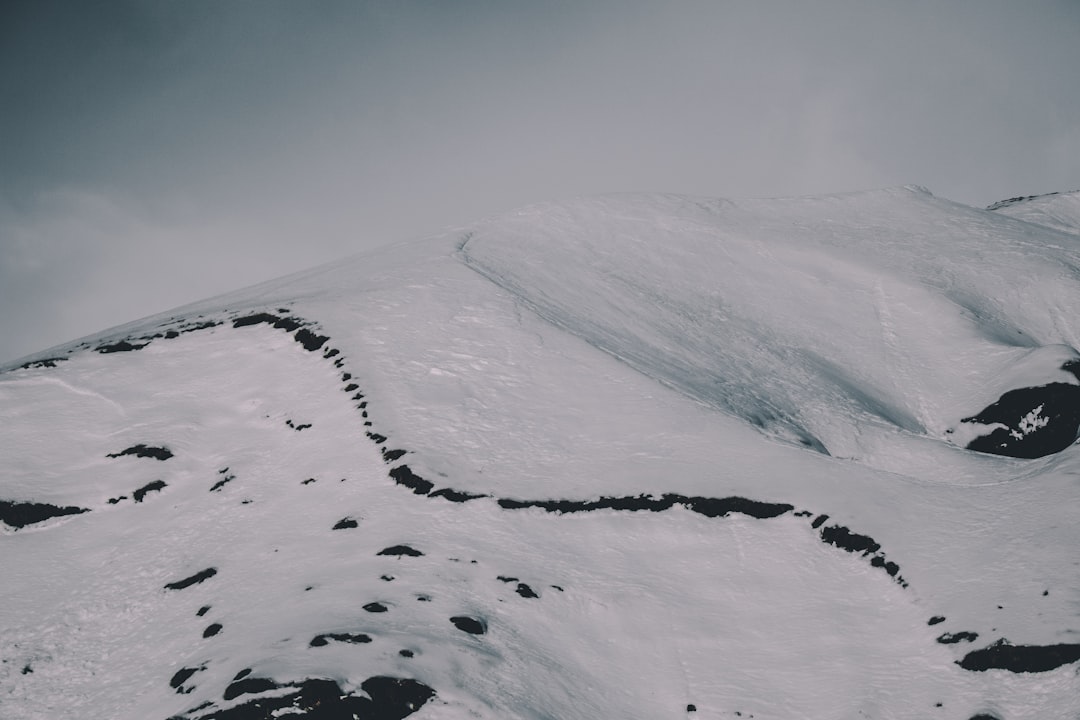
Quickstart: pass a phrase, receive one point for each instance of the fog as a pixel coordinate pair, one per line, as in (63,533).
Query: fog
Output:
(153,154)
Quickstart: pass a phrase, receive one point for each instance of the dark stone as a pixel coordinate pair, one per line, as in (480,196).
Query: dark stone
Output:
(506,579)
(212,630)
(406,653)
(953,638)
(936,619)
(122,346)
(351,386)
(469,625)
(113,501)
(376,438)
(203,610)
(392,455)
(1054,407)
(400,550)
(403,475)
(143,451)
(181,676)
(456,495)
(1003,655)
(155,486)
(691,708)
(844,539)
(375,607)
(819,521)
(354,638)
(709,507)
(222,483)
(247,686)
(310,340)
(345,524)
(21,514)
(255,320)
(43,363)
(193,580)
(171,335)
(525,591)
(287,324)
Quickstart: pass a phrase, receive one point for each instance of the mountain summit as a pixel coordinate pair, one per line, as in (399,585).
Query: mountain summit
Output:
(637,456)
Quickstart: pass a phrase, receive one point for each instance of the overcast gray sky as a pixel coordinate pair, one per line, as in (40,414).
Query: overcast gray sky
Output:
(156,153)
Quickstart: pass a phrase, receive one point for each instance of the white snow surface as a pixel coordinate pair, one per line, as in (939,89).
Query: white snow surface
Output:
(814,352)
(1060,211)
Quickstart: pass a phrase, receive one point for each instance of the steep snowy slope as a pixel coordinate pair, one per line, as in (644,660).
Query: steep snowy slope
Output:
(632,456)
(1060,211)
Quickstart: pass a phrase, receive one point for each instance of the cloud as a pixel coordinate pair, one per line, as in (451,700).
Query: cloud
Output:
(226,143)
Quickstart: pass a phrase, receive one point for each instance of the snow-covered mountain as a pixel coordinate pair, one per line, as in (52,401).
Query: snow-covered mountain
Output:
(636,456)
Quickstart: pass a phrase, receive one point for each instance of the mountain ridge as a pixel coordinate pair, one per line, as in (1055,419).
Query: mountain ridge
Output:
(448,420)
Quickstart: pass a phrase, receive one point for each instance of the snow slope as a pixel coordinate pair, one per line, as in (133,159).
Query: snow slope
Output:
(1060,211)
(636,456)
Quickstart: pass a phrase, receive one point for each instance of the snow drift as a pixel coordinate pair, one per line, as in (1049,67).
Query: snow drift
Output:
(640,456)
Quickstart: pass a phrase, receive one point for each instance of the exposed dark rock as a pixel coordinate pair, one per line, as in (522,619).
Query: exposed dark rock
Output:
(952,638)
(354,638)
(709,507)
(345,524)
(212,630)
(247,686)
(406,653)
(376,437)
(400,550)
(351,386)
(193,580)
(936,619)
(113,501)
(403,475)
(181,677)
(310,340)
(222,483)
(392,455)
(456,495)
(255,320)
(287,324)
(203,610)
(691,708)
(144,451)
(155,486)
(21,514)
(43,363)
(819,521)
(1003,655)
(844,539)
(525,591)
(122,346)
(375,607)
(469,624)
(1038,421)
(506,579)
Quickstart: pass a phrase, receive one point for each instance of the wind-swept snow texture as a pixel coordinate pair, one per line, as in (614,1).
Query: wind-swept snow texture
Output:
(635,456)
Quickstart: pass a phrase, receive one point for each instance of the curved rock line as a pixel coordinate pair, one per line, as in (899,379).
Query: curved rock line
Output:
(1000,655)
